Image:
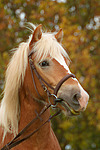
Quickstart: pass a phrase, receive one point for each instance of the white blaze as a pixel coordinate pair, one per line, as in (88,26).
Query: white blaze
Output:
(63,63)
(85,97)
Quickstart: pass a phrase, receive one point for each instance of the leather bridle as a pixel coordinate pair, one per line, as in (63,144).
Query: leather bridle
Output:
(17,140)
(44,84)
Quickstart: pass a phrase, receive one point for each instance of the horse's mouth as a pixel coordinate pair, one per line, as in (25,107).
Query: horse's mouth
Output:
(68,108)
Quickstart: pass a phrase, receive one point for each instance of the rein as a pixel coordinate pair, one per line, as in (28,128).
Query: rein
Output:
(17,140)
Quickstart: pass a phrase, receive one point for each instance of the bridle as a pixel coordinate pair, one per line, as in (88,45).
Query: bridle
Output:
(44,84)
(17,140)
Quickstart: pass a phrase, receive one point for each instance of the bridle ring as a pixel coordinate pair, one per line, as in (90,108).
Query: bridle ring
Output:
(54,96)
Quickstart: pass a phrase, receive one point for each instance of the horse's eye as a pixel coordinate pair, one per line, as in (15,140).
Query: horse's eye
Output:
(44,63)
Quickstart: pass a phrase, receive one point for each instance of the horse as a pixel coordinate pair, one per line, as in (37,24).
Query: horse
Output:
(38,77)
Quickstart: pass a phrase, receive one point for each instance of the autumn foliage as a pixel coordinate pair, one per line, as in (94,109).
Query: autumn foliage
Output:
(80,21)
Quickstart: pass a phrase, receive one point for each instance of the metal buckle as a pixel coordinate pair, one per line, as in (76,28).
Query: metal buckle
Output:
(45,88)
(30,60)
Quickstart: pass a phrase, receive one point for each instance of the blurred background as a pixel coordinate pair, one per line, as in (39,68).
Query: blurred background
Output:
(80,21)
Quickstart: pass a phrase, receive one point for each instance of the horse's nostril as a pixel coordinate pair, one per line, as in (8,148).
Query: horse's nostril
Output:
(76,97)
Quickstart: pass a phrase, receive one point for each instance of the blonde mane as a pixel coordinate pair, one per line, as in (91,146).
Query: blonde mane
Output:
(10,108)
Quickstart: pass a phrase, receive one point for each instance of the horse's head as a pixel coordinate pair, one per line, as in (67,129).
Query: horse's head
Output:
(52,63)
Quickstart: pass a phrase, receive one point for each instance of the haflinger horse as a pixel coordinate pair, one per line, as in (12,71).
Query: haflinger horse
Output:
(38,77)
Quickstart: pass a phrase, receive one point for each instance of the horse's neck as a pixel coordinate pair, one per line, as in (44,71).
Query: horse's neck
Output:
(44,138)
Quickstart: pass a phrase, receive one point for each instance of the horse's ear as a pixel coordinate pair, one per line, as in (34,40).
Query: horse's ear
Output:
(59,35)
(37,34)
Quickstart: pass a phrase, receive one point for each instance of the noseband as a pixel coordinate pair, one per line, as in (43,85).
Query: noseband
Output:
(45,85)
(17,140)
